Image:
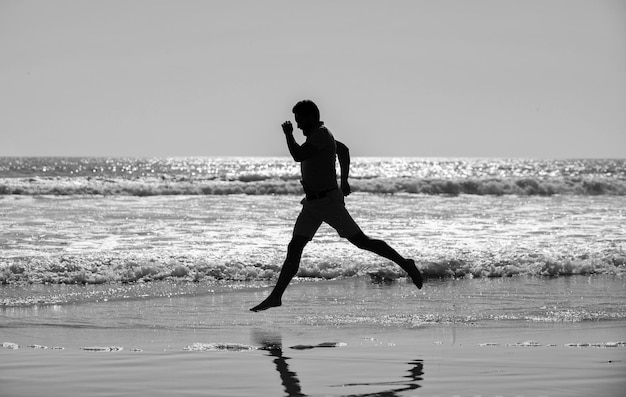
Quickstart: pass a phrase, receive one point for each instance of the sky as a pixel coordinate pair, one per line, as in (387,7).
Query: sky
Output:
(440,78)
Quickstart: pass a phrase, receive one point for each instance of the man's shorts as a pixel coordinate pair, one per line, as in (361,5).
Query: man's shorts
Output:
(330,209)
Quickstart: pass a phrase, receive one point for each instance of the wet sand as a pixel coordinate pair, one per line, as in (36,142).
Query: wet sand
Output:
(512,359)
(331,338)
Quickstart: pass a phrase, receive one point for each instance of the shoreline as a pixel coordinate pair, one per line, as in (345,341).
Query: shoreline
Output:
(509,334)
(488,337)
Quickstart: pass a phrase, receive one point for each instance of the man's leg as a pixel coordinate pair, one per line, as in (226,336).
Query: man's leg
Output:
(381,248)
(288,271)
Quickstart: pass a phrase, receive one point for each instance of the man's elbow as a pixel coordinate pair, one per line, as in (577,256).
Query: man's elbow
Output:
(342,149)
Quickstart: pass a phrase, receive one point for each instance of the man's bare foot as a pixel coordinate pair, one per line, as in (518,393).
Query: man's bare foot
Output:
(414,273)
(269,302)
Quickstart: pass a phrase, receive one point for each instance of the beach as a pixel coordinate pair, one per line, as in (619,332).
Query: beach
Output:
(153,166)
(135,277)
(331,338)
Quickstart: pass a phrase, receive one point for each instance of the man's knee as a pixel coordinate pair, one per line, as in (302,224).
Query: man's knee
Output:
(360,240)
(297,243)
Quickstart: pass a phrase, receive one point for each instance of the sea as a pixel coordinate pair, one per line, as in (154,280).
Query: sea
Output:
(135,276)
(79,230)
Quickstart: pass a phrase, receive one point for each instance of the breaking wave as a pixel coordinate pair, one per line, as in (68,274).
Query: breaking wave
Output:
(280,175)
(104,269)
(262,185)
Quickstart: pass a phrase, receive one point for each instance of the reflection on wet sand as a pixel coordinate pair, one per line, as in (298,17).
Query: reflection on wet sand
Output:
(415,375)
(271,341)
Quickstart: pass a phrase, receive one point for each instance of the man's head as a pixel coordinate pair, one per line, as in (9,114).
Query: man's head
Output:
(307,115)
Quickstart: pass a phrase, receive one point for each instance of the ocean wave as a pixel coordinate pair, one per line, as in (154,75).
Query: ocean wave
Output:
(495,186)
(108,269)
(259,184)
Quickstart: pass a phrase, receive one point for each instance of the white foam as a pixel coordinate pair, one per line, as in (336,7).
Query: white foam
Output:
(233,347)
(102,348)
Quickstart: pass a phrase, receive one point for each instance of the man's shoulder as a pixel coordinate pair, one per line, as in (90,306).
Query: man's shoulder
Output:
(322,134)
(326,131)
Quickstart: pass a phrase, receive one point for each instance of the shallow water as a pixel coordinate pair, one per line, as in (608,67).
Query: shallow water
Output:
(506,336)
(357,302)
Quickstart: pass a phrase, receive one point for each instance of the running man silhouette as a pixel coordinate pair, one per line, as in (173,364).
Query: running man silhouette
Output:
(324,201)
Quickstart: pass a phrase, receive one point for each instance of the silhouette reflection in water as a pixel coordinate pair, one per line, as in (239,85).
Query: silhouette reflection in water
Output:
(271,342)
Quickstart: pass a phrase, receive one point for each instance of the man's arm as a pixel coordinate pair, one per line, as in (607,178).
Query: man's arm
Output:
(343,154)
(298,152)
